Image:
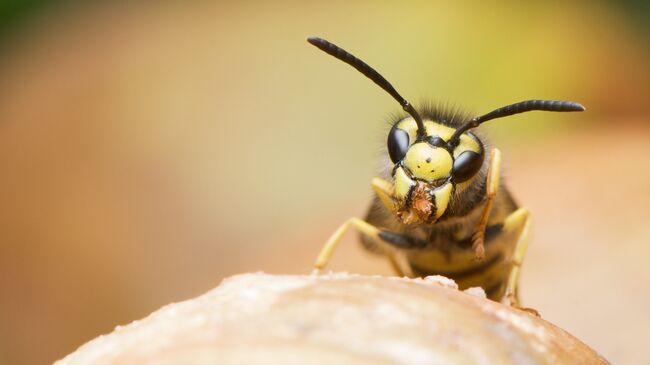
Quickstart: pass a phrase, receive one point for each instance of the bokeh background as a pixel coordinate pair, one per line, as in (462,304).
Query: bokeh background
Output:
(149,150)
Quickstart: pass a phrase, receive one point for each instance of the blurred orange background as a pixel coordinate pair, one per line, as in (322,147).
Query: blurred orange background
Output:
(148,151)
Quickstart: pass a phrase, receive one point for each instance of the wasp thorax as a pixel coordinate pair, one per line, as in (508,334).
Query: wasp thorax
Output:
(428,163)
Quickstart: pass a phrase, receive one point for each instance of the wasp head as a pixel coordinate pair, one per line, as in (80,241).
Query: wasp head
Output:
(428,165)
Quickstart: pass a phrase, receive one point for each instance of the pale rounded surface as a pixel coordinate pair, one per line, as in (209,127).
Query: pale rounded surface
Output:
(336,319)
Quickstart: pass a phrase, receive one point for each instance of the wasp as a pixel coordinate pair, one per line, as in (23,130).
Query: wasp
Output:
(440,207)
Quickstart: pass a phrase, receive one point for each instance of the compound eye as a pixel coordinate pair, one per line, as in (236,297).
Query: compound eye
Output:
(398,144)
(466,166)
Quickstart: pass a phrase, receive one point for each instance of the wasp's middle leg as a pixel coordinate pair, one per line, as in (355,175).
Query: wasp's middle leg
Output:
(326,252)
(492,186)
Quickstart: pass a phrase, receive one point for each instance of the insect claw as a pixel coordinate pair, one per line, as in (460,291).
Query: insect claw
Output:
(511,299)
(531,311)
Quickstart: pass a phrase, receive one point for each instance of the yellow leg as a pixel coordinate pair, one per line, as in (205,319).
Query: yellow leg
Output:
(492,186)
(517,223)
(394,264)
(328,249)
(384,191)
(364,228)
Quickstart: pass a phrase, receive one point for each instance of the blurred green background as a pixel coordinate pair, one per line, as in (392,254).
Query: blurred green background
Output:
(149,150)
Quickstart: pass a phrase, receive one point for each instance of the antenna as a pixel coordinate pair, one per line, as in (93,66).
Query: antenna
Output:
(521,107)
(369,72)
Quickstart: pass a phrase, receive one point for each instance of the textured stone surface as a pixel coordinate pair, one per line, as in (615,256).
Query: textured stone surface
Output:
(336,319)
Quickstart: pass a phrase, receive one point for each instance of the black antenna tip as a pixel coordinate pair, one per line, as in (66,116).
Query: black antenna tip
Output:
(327,47)
(560,106)
(369,72)
(578,107)
(315,40)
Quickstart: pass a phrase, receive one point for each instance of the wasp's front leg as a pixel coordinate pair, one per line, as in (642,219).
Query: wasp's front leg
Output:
(492,186)
(384,192)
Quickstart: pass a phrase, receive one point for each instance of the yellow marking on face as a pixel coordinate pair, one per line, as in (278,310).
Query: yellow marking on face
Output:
(427,162)
(442,194)
(432,128)
(466,143)
(403,184)
(437,129)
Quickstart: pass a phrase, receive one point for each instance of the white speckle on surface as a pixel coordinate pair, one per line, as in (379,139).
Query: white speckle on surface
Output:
(476,291)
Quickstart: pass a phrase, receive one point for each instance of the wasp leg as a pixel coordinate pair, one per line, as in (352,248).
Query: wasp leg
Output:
(492,186)
(328,249)
(364,228)
(384,191)
(517,223)
(394,264)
